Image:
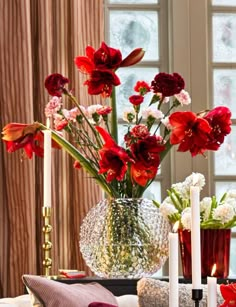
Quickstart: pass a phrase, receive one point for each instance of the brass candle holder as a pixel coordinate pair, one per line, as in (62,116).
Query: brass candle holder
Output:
(47,244)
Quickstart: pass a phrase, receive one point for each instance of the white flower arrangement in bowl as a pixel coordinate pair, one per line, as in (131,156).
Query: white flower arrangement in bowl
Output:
(215,214)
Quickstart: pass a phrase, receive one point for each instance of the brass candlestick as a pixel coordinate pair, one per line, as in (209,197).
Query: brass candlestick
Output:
(47,244)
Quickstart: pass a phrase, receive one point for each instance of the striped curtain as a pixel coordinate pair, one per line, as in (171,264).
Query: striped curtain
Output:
(37,38)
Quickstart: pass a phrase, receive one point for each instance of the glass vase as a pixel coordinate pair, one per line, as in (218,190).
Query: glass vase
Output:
(124,238)
(215,249)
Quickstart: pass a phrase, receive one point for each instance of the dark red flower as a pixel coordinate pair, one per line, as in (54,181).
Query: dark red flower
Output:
(107,58)
(113,158)
(55,84)
(220,120)
(101,82)
(147,151)
(26,136)
(136,100)
(167,84)
(190,131)
(228,293)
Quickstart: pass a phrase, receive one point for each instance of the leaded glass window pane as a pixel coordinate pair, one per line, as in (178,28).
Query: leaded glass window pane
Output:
(128,78)
(225,157)
(133,29)
(224,2)
(225,88)
(223,186)
(224,37)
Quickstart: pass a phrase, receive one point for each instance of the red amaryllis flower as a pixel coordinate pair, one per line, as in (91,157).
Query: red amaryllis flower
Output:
(190,131)
(114,158)
(26,136)
(101,82)
(220,120)
(107,58)
(55,84)
(167,84)
(229,295)
(142,87)
(136,100)
(146,151)
(140,174)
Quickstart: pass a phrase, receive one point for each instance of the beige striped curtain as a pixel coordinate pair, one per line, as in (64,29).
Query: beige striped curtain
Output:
(37,38)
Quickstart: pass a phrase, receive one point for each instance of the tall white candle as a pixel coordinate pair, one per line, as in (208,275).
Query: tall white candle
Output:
(211,292)
(195,237)
(47,189)
(173,270)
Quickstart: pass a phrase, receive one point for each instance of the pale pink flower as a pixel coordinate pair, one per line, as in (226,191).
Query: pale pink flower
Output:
(129,115)
(53,106)
(183,97)
(153,112)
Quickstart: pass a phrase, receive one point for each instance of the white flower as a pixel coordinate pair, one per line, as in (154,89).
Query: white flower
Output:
(191,180)
(205,208)
(153,112)
(231,194)
(186,218)
(167,208)
(231,202)
(92,113)
(183,97)
(129,115)
(182,189)
(224,213)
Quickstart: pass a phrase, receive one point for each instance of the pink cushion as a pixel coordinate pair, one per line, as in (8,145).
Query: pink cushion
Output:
(97,304)
(56,294)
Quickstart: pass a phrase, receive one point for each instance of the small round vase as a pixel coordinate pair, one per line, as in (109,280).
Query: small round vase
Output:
(124,238)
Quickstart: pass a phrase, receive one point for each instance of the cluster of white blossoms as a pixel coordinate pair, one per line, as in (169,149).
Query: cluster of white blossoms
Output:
(214,214)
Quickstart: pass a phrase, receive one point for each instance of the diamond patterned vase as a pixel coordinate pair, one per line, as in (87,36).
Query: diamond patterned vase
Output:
(124,238)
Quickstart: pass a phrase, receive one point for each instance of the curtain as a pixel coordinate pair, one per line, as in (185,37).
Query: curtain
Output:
(40,37)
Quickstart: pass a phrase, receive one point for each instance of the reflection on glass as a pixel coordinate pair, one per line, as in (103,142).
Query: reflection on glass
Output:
(128,79)
(224,2)
(224,37)
(225,157)
(225,88)
(133,29)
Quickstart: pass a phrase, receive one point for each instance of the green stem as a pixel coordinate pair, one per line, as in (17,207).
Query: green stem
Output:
(114,128)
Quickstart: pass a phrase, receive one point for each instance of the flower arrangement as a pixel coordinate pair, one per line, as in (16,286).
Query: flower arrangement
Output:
(121,171)
(214,214)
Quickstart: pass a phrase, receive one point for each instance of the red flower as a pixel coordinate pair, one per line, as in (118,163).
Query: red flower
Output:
(140,131)
(101,82)
(107,58)
(114,158)
(142,87)
(104,110)
(136,100)
(146,151)
(229,295)
(141,175)
(167,84)
(77,165)
(133,58)
(190,131)
(29,137)
(55,84)
(220,120)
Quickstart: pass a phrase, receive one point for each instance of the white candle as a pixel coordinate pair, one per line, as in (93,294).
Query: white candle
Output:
(47,198)
(195,237)
(211,292)
(173,270)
